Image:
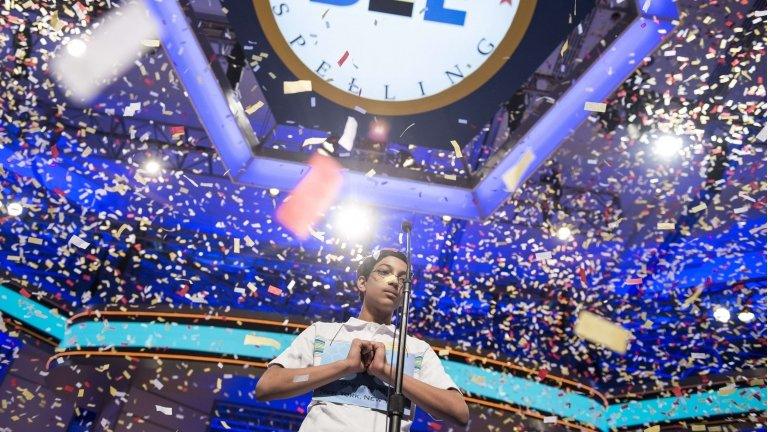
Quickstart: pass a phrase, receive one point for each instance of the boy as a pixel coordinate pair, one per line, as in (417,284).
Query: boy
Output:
(349,392)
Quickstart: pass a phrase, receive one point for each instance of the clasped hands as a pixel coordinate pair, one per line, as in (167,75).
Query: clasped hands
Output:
(368,356)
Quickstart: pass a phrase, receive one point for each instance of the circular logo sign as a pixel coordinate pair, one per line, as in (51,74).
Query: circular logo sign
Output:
(394,57)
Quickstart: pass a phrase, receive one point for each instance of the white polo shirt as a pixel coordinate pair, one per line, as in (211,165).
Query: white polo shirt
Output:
(324,416)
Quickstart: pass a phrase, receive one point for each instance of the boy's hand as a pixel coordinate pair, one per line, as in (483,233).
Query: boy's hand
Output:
(360,356)
(379,367)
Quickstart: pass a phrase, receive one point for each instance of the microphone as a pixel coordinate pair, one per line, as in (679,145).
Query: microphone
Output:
(406,226)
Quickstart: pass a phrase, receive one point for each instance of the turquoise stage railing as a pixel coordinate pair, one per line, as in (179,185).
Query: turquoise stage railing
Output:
(488,383)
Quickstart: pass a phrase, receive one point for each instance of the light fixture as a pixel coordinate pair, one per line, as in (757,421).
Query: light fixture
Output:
(722,314)
(746,316)
(564,233)
(14,209)
(353,221)
(667,146)
(152,167)
(76,47)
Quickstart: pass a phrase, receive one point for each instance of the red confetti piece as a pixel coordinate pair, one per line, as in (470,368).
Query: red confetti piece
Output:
(311,197)
(343,58)
(274,290)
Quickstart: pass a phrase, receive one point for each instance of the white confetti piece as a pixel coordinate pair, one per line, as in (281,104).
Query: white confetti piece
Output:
(347,140)
(89,65)
(77,241)
(165,410)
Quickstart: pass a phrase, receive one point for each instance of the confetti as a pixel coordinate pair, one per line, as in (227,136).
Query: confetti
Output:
(88,66)
(347,140)
(312,197)
(78,242)
(513,175)
(300,86)
(250,109)
(600,331)
(261,341)
(165,410)
(594,107)
(456,148)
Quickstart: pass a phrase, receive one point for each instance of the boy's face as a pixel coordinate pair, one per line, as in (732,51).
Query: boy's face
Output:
(383,288)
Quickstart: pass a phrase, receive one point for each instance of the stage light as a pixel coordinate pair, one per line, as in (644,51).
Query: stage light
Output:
(152,167)
(274,191)
(378,131)
(14,209)
(746,316)
(722,314)
(353,221)
(667,146)
(76,48)
(564,233)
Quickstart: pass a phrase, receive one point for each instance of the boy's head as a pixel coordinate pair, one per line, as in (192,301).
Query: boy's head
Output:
(380,279)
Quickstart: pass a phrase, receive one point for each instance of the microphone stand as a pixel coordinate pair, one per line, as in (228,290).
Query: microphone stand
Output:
(396,402)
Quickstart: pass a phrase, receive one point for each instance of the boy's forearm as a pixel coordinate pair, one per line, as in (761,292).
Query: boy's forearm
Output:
(283,383)
(440,404)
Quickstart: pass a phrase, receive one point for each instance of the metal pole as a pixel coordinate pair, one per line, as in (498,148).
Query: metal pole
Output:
(396,403)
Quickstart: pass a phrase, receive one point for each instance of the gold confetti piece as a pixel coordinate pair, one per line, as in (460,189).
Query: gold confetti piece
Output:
(543,256)
(564,48)
(300,86)
(35,241)
(693,297)
(477,379)
(301,378)
(512,176)
(151,43)
(27,394)
(253,108)
(599,330)
(698,208)
(654,428)
(595,107)
(665,225)
(261,341)
(725,391)
(122,228)
(698,428)
(550,419)
(81,393)
(444,352)
(456,148)
(237,245)
(370,173)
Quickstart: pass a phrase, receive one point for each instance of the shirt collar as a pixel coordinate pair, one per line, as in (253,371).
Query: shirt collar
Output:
(358,323)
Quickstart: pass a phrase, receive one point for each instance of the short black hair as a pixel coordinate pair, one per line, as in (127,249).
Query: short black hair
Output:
(368,263)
